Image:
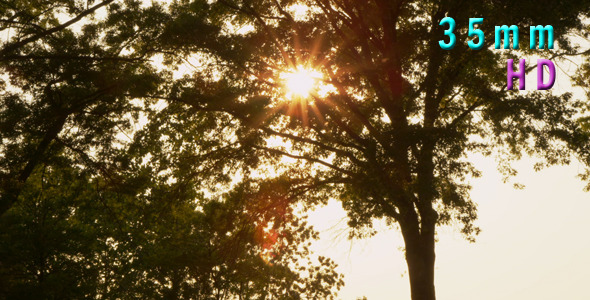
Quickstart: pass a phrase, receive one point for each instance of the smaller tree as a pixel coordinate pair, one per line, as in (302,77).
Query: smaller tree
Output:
(75,235)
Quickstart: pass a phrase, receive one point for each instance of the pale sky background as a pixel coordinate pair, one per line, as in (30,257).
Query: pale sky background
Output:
(534,244)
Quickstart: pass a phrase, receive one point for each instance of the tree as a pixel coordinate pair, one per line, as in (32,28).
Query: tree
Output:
(95,205)
(390,128)
(55,80)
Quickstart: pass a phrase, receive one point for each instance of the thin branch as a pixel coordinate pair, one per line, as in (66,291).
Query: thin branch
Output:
(305,157)
(11,47)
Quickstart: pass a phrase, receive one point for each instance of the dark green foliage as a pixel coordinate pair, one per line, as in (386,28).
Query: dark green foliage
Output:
(75,237)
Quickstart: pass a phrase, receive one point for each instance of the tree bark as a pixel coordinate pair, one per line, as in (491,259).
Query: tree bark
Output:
(420,257)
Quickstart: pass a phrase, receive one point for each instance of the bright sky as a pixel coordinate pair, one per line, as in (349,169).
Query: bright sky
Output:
(534,244)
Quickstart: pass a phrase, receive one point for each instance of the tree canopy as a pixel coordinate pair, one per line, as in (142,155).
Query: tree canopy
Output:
(108,193)
(162,143)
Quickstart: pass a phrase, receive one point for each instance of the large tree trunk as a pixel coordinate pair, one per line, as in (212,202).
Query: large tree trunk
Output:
(420,258)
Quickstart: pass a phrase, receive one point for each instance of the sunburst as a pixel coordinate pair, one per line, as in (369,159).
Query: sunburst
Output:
(300,82)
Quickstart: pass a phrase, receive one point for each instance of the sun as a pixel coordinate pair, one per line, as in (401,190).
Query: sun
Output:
(300,82)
